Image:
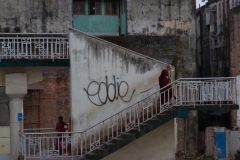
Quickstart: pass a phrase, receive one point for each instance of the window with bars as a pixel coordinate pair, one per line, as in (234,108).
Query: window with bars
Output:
(95,8)
(79,7)
(110,8)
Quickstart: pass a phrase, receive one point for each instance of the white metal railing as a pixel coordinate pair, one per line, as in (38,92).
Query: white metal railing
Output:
(182,92)
(34,46)
(37,130)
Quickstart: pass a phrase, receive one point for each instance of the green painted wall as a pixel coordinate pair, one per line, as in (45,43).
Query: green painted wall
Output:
(35,63)
(103,24)
(123,23)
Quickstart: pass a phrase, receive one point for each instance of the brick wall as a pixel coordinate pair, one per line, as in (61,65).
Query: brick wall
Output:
(53,101)
(210,149)
(181,135)
(234,23)
(234,16)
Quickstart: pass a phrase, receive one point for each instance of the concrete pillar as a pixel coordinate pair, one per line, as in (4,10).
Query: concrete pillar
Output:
(16,89)
(16,107)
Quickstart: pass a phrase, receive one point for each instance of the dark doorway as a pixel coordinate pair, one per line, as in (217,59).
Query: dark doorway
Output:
(220,118)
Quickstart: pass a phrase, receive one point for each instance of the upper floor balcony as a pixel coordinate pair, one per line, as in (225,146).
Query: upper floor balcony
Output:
(33,49)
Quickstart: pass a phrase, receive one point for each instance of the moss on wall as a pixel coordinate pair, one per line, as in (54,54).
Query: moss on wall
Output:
(163,48)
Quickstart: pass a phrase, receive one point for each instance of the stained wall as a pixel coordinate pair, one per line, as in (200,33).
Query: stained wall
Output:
(94,63)
(166,18)
(35,16)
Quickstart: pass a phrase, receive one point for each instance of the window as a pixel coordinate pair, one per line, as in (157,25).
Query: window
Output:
(78,7)
(111,8)
(95,8)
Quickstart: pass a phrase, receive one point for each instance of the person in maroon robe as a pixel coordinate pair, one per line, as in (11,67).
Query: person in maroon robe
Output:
(165,79)
(60,127)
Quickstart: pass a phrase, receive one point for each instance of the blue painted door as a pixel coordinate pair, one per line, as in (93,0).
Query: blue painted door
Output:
(220,142)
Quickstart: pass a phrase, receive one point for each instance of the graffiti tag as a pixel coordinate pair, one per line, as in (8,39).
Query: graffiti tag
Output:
(102,99)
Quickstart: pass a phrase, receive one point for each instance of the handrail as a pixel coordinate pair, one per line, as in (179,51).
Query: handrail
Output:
(108,117)
(178,80)
(184,91)
(29,129)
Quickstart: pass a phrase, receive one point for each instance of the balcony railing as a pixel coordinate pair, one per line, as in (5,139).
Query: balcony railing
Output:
(34,46)
(182,92)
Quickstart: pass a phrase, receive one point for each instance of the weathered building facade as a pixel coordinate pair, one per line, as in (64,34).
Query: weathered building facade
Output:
(234,31)
(164,30)
(35,16)
(217,52)
(213,38)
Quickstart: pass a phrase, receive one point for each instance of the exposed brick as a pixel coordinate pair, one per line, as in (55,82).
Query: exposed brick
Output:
(53,101)
(180,135)
(234,25)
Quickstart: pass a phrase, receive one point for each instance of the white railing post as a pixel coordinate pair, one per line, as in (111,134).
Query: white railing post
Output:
(181,93)
(187,92)
(32,46)
(25,148)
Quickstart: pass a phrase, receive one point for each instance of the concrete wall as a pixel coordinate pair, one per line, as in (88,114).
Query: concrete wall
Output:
(4,140)
(159,144)
(154,17)
(35,16)
(163,48)
(4,108)
(164,18)
(34,74)
(93,59)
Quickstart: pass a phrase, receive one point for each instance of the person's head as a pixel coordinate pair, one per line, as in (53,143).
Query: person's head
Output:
(169,67)
(60,119)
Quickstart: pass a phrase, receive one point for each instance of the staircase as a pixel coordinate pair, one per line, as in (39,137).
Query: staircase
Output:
(134,121)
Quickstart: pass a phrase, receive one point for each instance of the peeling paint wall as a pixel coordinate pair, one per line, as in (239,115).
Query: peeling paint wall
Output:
(4,140)
(163,48)
(4,108)
(35,16)
(166,18)
(93,59)
(160,17)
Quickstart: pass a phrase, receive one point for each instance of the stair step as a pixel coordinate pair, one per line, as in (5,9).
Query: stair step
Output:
(83,158)
(108,143)
(126,133)
(145,124)
(134,129)
(118,139)
(100,148)
(163,114)
(154,119)
(92,154)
